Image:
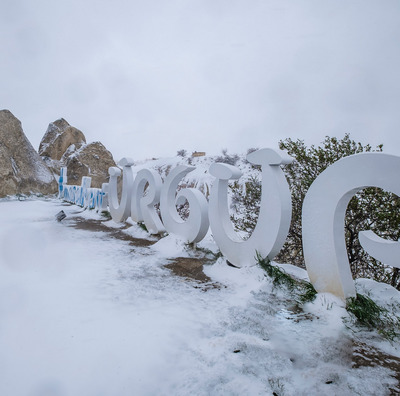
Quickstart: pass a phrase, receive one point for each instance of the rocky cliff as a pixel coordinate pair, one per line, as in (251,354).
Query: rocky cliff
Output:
(22,171)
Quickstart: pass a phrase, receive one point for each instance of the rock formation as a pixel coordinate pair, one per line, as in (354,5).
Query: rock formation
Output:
(91,160)
(22,171)
(64,145)
(58,138)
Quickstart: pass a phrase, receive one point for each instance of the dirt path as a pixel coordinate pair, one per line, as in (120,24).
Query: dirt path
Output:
(186,267)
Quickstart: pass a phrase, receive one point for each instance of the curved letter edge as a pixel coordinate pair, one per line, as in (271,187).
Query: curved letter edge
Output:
(387,252)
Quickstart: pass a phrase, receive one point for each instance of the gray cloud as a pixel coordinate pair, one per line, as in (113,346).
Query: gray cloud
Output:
(149,78)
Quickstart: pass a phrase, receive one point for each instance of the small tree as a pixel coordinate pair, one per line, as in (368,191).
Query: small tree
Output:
(181,153)
(308,164)
(227,158)
(371,208)
(245,202)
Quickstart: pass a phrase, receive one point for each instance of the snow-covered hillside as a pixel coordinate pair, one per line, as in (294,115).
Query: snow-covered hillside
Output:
(88,307)
(200,176)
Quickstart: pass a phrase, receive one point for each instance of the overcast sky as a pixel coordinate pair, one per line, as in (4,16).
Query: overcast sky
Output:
(148,78)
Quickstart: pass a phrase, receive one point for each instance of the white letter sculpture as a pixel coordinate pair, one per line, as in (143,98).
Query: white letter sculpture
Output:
(103,204)
(120,211)
(323,219)
(142,207)
(62,180)
(273,223)
(387,252)
(80,197)
(196,225)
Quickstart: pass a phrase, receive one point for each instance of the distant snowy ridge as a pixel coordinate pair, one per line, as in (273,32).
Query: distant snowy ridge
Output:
(199,177)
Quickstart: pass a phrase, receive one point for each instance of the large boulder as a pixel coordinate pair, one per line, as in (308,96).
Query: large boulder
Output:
(22,171)
(92,160)
(59,137)
(64,145)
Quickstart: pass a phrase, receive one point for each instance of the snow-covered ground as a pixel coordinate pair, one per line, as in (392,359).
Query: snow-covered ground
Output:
(84,313)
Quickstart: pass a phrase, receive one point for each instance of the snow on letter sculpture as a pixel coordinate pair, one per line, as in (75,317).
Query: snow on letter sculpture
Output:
(323,217)
(120,211)
(62,180)
(273,222)
(142,207)
(196,225)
